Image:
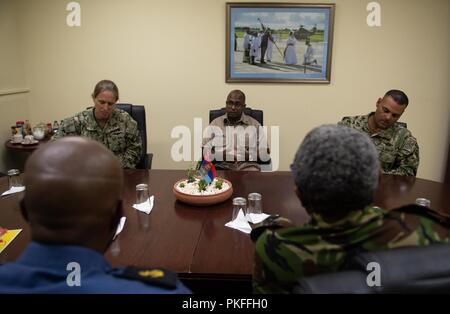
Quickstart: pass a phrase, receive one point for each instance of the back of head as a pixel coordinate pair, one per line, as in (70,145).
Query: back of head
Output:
(336,170)
(73,191)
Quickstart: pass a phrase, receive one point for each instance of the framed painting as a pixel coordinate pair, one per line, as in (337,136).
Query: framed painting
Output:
(279,42)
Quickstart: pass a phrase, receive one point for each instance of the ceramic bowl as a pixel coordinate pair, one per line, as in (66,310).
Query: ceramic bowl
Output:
(202,200)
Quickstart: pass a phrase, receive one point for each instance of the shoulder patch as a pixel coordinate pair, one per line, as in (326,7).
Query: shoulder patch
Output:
(153,276)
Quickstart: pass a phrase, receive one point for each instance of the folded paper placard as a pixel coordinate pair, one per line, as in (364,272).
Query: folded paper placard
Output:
(240,223)
(147,206)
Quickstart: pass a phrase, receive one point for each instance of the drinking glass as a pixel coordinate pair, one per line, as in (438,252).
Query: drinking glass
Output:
(14,178)
(141,193)
(238,204)
(254,203)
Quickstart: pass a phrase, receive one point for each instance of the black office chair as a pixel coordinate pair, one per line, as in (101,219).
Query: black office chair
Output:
(256,114)
(137,112)
(402,270)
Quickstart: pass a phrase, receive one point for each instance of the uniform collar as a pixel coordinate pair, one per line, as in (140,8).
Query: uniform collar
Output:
(92,122)
(57,257)
(244,120)
(353,219)
(387,134)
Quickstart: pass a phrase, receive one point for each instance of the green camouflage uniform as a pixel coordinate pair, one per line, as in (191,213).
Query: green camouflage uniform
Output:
(284,255)
(397,148)
(120,134)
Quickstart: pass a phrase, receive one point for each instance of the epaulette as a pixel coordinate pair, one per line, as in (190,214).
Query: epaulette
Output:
(272,223)
(153,276)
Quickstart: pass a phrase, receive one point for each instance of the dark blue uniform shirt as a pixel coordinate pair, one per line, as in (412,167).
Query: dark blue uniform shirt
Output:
(43,269)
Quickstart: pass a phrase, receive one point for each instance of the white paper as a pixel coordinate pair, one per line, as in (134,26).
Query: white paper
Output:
(147,206)
(256,218)
(14,189)
(240,223)
(120,226)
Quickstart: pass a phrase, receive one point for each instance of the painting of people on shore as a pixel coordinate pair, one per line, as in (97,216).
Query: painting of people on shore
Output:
(279,43)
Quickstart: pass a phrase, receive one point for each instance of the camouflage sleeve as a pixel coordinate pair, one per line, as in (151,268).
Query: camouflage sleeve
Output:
(280,254)
(408,158)
(130,157)
(277,266)
(346,121)
(68,126)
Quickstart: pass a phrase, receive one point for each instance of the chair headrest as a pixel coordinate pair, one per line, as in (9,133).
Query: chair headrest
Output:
(402,270)
(256,114)
(410,269)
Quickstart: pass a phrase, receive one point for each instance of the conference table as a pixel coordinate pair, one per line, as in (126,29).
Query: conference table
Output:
(193,241)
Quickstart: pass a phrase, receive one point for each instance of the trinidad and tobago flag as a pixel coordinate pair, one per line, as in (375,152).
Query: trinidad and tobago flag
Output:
(207,170)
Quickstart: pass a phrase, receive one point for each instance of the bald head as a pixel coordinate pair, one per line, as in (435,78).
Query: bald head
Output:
(73,190)
(235,105)
(237,93)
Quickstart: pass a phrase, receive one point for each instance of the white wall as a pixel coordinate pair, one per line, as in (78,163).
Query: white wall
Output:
(13,106)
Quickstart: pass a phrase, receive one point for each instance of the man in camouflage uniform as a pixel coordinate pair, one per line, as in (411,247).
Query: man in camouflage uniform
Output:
(397,148)
(336,172)
(112,127)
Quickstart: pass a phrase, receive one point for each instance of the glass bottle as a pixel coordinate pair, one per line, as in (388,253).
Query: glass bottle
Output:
(49,131)
(55,127)
(27,128)
(19,126)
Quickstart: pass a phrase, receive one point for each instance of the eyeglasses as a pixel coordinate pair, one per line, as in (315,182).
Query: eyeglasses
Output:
(231,104)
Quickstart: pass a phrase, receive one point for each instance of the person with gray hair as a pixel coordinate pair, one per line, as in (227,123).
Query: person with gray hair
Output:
(338,168)
(336,172)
